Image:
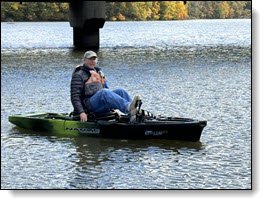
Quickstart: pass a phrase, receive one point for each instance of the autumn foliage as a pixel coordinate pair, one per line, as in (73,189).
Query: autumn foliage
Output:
(131,11)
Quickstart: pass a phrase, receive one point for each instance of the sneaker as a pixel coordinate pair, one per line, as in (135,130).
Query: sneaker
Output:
(133,108)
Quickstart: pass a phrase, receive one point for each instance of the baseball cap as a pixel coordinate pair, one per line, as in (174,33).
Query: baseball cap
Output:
(89,54)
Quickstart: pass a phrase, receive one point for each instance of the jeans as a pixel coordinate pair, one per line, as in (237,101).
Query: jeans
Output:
(105,99)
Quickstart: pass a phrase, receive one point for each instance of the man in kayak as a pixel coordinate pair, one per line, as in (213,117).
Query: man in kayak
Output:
(90,92)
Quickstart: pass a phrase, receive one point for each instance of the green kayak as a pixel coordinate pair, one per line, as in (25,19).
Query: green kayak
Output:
(112,125)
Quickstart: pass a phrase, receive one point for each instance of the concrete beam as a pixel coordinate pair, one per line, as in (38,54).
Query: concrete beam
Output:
(86,18)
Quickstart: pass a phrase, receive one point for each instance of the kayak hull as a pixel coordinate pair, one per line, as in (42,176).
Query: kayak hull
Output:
(161,128)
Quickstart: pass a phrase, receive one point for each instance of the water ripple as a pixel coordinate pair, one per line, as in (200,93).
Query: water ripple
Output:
(175,75)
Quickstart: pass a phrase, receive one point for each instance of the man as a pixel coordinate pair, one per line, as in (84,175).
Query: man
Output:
(90,92)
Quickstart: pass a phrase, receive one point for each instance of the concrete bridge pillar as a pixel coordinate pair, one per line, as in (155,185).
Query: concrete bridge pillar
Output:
(86,18)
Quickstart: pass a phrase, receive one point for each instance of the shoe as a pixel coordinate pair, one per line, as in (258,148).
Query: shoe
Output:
(118,113)
(133,108)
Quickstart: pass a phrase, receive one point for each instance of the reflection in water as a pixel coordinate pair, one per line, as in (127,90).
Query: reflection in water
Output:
(106,163)
(99,163)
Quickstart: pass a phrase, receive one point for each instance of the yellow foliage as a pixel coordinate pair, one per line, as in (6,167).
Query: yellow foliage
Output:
(226,10)
(64,6)
(183,11)
(120,17)
(54,6)
(175,10)
(15,6)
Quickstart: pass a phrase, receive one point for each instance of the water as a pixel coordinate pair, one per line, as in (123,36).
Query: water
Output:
(199,69)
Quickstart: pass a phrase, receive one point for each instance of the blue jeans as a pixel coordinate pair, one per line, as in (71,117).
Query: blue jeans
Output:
(105,100)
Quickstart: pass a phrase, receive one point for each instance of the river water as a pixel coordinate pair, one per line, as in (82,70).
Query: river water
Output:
(197,68)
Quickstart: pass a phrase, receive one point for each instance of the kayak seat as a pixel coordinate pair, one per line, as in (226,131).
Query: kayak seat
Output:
(102,116)
(111,115)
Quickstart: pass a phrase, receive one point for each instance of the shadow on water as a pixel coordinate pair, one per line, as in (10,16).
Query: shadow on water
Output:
(97,150)
(96,144)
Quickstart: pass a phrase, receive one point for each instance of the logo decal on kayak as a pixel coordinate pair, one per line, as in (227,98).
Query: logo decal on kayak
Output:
(83,130)
(156,133)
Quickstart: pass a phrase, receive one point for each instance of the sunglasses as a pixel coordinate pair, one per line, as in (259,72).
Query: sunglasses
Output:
(92,58)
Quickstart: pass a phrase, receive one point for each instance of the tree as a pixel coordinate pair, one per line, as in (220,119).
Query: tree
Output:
(155,8)
(225,10)
(121,11)
(181,10)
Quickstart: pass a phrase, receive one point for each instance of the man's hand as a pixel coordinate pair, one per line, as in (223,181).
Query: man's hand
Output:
(83,117)
(95,77)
